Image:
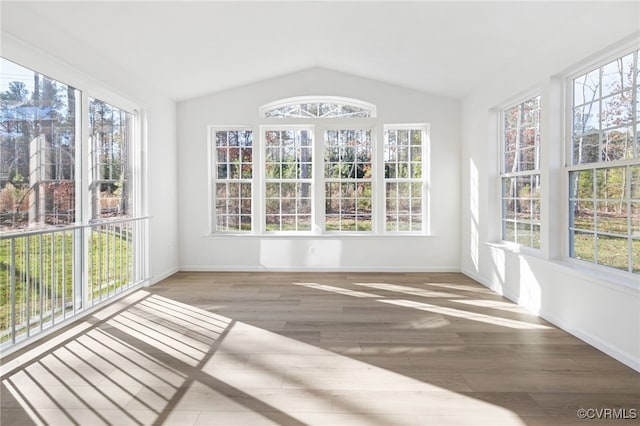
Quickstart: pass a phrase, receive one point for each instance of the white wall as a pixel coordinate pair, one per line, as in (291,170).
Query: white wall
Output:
(602,309)
(42,46)
(199,251)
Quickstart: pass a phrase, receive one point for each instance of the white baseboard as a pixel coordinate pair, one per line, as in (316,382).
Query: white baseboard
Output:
(597,343)
(157,278)
(208,268)
(586,337)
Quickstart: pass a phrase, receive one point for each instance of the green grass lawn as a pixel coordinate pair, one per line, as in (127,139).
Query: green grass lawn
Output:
(43,266)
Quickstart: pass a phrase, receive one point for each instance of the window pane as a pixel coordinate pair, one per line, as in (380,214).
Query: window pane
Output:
(617,75)
(581,184)
(617,110)
(617,144)
(613,252)
(403,174)
(521,139)
(610,183)
(509,231)
(635,182)
(288,165)
(348,172)
(234,169)
(604,112)
(37,149)
(583,215)
(612,217)
(524,234)
(583,246)
(635,219)
(109,138)
(586,119)
(319,110)
(535,235)
(586,149)
(586,88)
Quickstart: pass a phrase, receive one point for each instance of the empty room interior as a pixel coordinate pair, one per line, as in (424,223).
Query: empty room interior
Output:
(320,213)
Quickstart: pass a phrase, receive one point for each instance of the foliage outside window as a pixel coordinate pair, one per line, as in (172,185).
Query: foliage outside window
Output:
(68,241)
(234,171)
(321,175)
(110,133)
(403,176)
(288,164)
(348,180)
(604,171)
(37,149)
(520,175)
(319,108)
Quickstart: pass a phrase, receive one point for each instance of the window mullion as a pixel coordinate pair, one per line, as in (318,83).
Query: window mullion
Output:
(258,193)
(379,189)
(318,182)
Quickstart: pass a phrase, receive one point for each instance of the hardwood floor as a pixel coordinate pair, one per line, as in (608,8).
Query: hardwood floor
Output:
(319,349)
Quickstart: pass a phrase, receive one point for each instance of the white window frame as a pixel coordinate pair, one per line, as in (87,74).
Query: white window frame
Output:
(264,109)
(424,180)
(503,174)
(87,87)
(318,127)
(259,174)
(338,126)
(213,176)
(569,167)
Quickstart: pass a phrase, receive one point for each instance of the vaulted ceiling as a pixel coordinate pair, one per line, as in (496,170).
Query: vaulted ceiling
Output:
(188,49)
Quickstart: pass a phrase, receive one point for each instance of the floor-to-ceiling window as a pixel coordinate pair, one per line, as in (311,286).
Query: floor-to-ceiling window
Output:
(71,209)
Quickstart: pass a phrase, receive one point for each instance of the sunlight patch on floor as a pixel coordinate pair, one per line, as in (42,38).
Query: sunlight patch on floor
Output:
(338,290)
(409,290)
(467,315)
(161,361)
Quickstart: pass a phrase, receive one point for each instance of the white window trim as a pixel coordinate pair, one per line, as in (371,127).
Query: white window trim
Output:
(315,99)
(260,180)
(318,128)
(590,64)
(511,245)
(426,179)
(212,165)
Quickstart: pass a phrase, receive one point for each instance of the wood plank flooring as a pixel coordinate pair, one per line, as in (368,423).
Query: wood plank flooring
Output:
(315,349)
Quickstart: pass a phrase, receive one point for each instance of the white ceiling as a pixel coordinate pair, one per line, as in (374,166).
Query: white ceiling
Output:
(188,49)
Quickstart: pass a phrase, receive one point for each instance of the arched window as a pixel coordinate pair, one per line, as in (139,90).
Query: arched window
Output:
(318,107)
(322,165)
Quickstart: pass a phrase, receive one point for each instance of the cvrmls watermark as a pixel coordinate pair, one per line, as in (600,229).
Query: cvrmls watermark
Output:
(607,413)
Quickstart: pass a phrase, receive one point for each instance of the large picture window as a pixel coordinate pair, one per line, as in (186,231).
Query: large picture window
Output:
(320,168)
(72,234)
(604,166)
(520,174)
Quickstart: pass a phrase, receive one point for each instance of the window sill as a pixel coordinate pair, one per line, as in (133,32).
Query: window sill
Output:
(610,278)
(516,248)
(316,236)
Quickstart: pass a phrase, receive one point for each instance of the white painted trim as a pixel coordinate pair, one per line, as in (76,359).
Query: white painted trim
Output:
(314,100)
(394,269)
(587,337)
(29,56)
(625,358)
(160,277)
